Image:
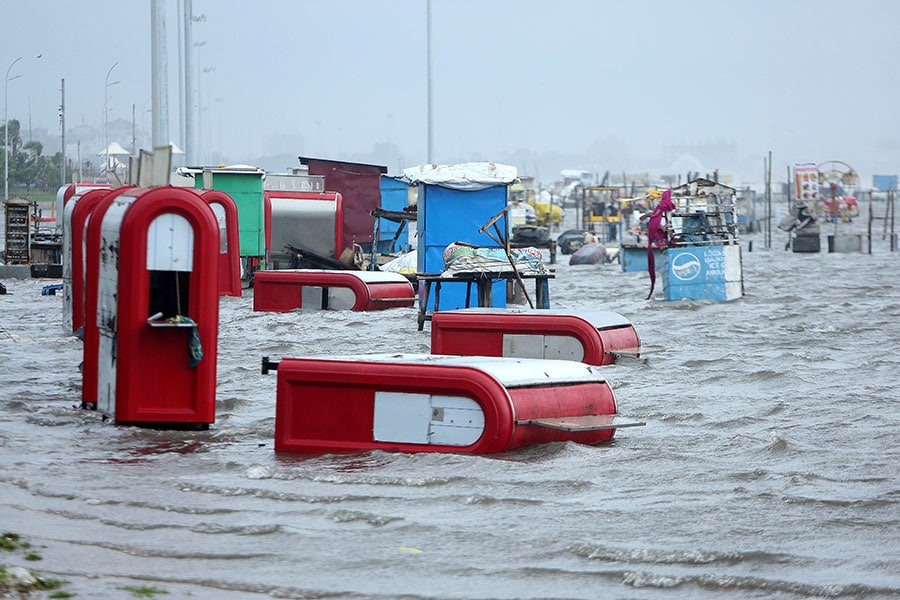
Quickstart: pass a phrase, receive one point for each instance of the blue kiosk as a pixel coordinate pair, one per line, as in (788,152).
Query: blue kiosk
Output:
(454,203)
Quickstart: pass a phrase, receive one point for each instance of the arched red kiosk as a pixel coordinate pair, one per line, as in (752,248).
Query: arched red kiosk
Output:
(151,311)
(226,213)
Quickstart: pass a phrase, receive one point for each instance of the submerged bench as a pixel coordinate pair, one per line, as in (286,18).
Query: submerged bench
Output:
(427,403)
(592,337)
(291,289)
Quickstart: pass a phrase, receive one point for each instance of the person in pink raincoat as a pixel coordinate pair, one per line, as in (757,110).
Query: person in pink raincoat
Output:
(657,232)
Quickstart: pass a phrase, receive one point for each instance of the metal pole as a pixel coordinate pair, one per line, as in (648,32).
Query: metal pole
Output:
(181,48)
(768,236)
(6,130)
(428,36)
(190,117)
(893,232)
(106,118)
(869,225)
(62,128)
(159,73)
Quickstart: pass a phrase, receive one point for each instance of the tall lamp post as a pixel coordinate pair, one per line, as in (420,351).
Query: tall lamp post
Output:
(6,129)
(106,115)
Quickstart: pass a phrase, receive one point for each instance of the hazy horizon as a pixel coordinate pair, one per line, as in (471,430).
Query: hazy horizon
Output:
(584,84)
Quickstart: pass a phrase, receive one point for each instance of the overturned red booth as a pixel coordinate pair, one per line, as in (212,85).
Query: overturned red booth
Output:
(290,289)
(592,337)
(427,403)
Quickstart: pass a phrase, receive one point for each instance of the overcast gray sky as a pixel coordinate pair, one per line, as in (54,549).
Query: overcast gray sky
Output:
(616,82)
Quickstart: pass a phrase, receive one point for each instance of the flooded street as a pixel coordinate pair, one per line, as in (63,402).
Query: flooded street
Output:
(768,467)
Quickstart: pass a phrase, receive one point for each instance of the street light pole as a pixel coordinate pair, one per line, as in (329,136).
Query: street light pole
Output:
(6,129)
(106,116)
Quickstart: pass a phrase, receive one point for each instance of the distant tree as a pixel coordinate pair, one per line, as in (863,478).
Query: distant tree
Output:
(28,167)
(32,162)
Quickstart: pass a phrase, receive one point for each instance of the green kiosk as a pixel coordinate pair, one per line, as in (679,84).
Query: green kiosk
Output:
(245,186)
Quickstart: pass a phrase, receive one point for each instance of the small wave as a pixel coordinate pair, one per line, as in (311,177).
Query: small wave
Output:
(856,504)
(483,500)
(673,557)
(174,554)
(216,528)
(352,516)
(766,375)
(676,417)
(236,492)
(741,583)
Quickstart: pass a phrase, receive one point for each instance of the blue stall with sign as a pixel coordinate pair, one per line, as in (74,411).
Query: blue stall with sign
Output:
(703,260)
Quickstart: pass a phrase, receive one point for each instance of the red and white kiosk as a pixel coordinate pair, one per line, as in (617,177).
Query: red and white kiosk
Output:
(75,217)
(69,191)
(151,323)
(427,403)
(290,289)
(225,209)
(592,337)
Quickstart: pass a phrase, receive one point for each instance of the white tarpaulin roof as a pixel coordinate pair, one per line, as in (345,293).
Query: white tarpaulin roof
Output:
(114,149)
(462,176)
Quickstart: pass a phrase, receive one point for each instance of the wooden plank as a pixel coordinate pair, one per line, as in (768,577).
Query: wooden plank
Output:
(583,423)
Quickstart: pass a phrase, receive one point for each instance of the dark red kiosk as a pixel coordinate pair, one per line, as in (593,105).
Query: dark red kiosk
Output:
(226,212)
(290,289)
(592,337)
(151,311)
(427,403)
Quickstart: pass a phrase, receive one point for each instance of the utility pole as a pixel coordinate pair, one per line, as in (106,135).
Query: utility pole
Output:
(62,129)
(159,73)
(428,36)
(190,117)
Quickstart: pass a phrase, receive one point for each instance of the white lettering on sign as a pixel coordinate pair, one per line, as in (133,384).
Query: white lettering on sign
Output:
(687,266)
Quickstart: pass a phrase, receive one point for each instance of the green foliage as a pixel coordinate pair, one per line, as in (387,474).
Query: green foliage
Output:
(29,168)
(144,591)
(13,542)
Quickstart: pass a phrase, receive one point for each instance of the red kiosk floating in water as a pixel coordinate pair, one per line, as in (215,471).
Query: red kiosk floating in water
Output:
(427,403)
(289,289)
(595,338)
